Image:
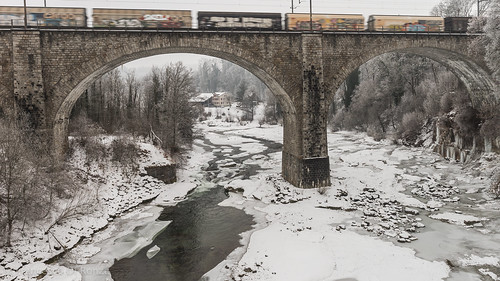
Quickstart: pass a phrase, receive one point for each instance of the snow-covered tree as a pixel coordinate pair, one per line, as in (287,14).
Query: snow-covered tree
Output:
(30,178)
(492,32)
(453,8)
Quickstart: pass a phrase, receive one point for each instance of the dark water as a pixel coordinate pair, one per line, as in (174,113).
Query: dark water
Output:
(200,236)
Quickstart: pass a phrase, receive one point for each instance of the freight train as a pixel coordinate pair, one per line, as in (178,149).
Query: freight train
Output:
(11,16)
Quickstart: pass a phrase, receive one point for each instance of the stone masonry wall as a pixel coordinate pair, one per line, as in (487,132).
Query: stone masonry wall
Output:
(6,74)
(48,70)
(28,77)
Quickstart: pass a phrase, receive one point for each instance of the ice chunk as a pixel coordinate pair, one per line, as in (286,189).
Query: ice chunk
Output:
(152,251)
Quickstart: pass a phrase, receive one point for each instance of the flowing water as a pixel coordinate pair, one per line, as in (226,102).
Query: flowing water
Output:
(201,233)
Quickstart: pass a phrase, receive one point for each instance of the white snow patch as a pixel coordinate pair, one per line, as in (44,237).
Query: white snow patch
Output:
(460,219)
(473,260)
(275,253)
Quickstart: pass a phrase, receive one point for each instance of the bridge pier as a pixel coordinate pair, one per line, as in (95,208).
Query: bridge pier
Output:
(312,168)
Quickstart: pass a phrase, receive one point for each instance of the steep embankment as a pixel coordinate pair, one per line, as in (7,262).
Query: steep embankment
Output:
(105,189)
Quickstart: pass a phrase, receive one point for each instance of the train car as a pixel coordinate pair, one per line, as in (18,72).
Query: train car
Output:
(132,18)
(239,21)
(405,23)
(456,24)
(327,22)
(43,17)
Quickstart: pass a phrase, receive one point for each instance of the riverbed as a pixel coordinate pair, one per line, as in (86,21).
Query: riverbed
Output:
(392,213)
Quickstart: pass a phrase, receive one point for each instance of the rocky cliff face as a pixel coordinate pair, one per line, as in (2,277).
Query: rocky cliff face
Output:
(165,173)
(451,144)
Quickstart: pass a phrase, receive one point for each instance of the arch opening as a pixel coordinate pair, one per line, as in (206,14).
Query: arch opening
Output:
(61,120)
(407,93)
(474,77)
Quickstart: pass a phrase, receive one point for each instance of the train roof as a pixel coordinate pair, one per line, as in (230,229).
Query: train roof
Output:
(238,13)
(324,14)
(411,16)
(152,10)
(39,7)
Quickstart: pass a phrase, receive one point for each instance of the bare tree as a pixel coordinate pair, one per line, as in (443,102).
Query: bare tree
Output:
(15,176)
(30,178)
(454,8)
(176,115)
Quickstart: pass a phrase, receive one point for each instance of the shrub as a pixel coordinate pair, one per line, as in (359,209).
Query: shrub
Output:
(446,102)
(491,126)
(375,132)
(124,150)
(467,120)
(126,153)
(94,149)
(410,128)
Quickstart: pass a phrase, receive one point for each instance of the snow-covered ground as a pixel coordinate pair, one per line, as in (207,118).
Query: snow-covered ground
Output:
(362,227)
(109,193)
(392,213)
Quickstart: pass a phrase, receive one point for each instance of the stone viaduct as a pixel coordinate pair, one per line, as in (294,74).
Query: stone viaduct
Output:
(43,72)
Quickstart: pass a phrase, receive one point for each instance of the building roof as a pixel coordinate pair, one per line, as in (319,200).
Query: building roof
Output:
(203,97)
(220,93)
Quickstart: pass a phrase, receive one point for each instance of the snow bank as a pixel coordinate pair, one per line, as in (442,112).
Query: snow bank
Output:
(113,191)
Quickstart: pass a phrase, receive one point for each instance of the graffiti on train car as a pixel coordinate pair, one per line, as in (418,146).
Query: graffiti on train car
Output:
(241,22)
(182,19)
(43,19)
(162,21)
(226,20)
(421,25)
(8,19)
(41,16)
(147,21)
(141,18)
(405,23)
(325,22)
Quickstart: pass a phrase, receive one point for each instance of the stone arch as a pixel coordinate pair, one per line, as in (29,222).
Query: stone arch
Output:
(476,78)
(61,118)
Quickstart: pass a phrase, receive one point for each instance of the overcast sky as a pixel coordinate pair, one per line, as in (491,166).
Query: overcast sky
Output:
(365,7)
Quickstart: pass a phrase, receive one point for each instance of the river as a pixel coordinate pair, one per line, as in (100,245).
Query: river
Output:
(199,233)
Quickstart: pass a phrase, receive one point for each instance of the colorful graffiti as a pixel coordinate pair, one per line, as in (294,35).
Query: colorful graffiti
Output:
(141,18)
(226,20)
(405,23)
(64,17)
(325,22)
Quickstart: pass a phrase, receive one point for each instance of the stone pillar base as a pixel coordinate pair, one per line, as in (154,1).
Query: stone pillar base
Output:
(306,173)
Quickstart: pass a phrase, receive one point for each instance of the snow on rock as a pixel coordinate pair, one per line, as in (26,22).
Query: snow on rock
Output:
(81,253)
(152,156)
(473,260)
(486,272)
(60,273)
(455,218)
(34,270)
(15,265)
